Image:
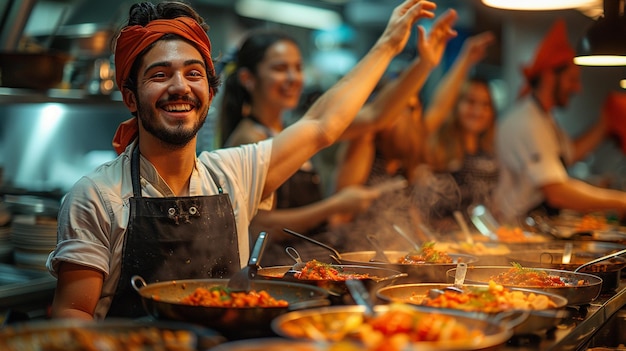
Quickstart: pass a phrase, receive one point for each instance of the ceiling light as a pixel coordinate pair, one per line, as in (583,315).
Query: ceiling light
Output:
(289,13)
(537,4)
(604,43)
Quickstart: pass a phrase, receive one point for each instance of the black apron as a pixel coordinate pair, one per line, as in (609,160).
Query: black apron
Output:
(173,238)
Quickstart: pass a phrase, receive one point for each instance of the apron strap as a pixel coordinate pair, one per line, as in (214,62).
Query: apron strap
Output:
(134,171)
(215,179)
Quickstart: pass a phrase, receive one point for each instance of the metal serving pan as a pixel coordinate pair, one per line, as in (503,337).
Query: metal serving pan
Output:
(114,333)
(574,293)
(376,278)
(537,319)
(332,321)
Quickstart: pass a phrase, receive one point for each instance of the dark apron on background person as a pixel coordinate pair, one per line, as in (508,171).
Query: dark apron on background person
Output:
(174,238)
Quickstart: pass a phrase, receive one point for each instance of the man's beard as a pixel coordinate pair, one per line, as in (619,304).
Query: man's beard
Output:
(177,137)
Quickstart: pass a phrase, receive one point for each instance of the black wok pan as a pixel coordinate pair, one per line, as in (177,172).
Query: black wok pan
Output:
(377,278)
(574,293)
(537,319)
(162,301)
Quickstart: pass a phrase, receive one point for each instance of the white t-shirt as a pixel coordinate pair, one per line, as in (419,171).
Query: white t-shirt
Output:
(94,215)
(531,150)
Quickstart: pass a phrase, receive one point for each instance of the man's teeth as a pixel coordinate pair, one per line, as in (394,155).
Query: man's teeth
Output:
(178,108)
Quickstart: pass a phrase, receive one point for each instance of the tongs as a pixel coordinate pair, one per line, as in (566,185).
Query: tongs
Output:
(241,280)
(293,253)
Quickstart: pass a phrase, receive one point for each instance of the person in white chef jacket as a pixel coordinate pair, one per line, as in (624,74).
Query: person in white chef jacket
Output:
(534,152)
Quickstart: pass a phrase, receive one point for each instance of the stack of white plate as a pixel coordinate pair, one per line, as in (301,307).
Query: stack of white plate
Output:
(33,239)
(6,247)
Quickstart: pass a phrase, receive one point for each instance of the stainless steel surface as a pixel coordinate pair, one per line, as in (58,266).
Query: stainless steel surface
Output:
(17,285)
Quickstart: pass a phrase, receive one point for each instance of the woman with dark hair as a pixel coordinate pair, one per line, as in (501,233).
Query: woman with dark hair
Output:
(268,80)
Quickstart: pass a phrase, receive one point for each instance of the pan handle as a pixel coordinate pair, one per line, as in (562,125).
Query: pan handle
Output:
(137,282)
(510,319)
(335,252)
(301,305)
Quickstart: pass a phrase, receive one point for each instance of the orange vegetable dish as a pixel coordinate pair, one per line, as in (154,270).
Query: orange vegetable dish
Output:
(489,299)
(222,297)
(315,270)
(427,254)
(528,277)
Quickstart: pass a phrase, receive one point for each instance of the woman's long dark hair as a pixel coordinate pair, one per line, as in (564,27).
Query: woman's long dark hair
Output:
(235,97)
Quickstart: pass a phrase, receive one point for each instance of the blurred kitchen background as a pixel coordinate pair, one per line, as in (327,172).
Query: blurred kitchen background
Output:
(59,110)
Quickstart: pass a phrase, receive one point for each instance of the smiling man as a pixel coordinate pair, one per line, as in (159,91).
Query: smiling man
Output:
(159,210)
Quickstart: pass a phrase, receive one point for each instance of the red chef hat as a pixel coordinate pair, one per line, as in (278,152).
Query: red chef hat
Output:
(554,51)
(615,109)
(133,40)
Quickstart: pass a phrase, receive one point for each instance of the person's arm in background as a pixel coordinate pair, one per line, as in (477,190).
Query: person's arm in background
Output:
(392,98)
(357,157)
(350,200)
(580,196)
(447,91)
(332,112)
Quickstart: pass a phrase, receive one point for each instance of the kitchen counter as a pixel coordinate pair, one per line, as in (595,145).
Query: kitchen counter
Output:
(24,292)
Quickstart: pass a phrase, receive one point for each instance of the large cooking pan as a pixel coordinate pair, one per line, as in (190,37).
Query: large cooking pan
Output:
(576,294)
(420,272)
(335,324)
(537,319)
(162,301)
(109,334)
(376,278)
(609,270)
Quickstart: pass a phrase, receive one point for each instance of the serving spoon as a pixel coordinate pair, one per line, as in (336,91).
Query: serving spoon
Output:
(406,237)
(379,255)
(459,279)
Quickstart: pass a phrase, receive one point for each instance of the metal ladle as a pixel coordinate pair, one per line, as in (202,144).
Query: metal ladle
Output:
(459,279)
(361,296)
(379,255)
(415,245)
